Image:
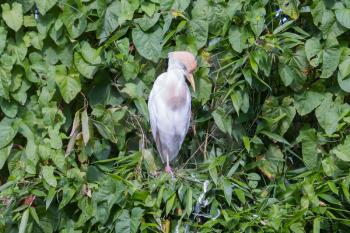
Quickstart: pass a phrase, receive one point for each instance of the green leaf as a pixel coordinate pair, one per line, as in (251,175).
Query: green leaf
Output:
(308,101)
(344,68)
(149,45)
(4,154)
(238,38)
(199,30)
(170,204)
(308,139)
(90,54)
(189,203)
(34,215)
(13,17)
(136,215)
(86,69)
(75,21)
(24,221)
(328,114)
(313,50)
(3,37)
(275,137)
(147,22)
(290,8)
(342,151)
(45,5)
(256,17)
(85,126)
(123,223)
(68,84)
(343,17)
(227,187)
(50,196)
(7,131)
(344,83)
(316,225)
(287,74)
(223,122)
(330,57)
(240,194)
(246,143)
(272,162)
(115,15)
(48,175)
(68,194)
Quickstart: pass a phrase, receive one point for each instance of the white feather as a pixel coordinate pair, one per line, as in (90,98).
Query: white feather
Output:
(168,124)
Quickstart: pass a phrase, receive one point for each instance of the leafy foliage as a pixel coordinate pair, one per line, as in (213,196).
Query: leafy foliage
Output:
(268,148)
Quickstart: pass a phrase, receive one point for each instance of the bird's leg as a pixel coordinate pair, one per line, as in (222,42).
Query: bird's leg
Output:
(167,167)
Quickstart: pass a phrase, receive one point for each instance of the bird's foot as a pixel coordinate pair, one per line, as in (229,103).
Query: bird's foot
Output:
(169,170)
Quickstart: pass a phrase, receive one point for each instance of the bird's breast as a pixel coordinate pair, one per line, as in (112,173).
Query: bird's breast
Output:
(176,94)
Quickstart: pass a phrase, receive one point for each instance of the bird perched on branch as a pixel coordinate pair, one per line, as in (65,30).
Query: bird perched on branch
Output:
(169,105)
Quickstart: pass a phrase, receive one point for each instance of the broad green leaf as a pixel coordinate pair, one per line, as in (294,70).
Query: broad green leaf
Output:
(203,88)
(238,38)
(75,21)
(290,8)
(136,215)
(90,54)
(170,204)
(45,5)
(308,101)
(3,37)
(223,122)
(287,74)
(51,194)
(256,17)
(149,45)
(48,175)
(86,69)
(68,84)
(24,221)
(272,162)
(313,50)
(34,215)
(199,28)
(344,68)
(227,187)
(10,109)
(316,225)
(237,100)
(309,142)
(115,15)
(7,131)
(344,83)
(4,154)
(189,201)
(147,22)
(240,194)
(343,17)
(246,143)
(275,137)
(13,16)
(85,126)
(67,195)
(328,114)
(342,151)
(330,57)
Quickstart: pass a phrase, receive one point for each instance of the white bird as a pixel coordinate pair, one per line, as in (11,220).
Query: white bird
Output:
(169,105)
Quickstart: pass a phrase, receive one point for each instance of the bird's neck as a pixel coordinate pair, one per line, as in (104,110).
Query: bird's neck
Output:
(176,65)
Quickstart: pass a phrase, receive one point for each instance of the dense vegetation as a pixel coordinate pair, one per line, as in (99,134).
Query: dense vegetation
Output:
(268,149)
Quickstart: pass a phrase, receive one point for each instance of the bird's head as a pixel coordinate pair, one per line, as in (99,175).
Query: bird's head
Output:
(188,61)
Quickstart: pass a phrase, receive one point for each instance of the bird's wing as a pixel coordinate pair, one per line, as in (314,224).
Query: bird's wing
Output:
(169,122)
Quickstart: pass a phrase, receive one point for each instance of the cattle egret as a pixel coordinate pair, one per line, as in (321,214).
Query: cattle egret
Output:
(169,105)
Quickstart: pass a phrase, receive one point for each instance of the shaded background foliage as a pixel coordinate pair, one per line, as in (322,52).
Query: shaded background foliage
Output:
(268,149)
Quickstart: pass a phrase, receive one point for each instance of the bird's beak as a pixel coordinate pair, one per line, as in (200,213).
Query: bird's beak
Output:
(191,80)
